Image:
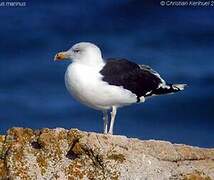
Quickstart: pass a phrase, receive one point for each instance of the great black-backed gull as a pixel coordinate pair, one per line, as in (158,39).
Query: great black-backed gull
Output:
(108,85)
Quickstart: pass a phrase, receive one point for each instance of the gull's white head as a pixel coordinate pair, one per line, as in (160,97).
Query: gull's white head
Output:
(83,52)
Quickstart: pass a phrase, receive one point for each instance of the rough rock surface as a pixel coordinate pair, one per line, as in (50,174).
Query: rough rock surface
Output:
(73,154)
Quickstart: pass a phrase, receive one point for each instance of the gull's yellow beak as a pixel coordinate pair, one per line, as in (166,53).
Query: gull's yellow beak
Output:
(60,56)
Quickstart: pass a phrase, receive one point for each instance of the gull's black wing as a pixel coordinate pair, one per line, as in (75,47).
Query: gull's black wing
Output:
(139,79)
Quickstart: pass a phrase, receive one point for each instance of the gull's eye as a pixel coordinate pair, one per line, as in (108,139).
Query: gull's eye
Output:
(76,50)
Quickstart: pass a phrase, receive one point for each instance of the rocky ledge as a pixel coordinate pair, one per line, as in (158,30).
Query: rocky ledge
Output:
(73,154)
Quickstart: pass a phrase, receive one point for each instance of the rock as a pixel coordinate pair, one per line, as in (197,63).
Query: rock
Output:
(73,154)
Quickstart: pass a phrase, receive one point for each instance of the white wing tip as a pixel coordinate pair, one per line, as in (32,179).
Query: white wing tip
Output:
(179,86)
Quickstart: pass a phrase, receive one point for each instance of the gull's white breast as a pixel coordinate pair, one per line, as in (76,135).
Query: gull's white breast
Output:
(85,84)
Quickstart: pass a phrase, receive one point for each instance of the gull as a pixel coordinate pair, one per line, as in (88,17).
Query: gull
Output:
(109,84)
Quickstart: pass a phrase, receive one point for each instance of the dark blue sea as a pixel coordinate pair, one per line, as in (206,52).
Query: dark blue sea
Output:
(178,42)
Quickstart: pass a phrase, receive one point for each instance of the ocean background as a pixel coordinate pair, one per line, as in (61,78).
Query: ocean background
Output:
(178,42)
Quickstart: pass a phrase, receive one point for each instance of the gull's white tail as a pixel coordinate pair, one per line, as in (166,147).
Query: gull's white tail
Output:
(169,88)
(179,86)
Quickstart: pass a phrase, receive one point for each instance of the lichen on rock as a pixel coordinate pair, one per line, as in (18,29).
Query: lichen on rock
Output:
(73,154)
